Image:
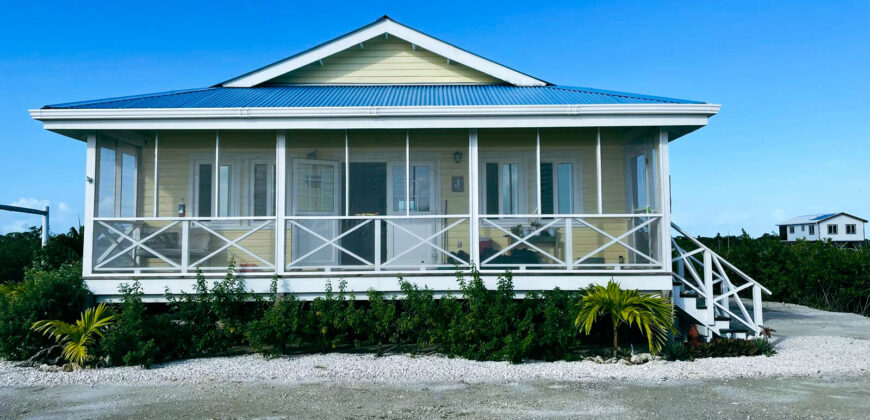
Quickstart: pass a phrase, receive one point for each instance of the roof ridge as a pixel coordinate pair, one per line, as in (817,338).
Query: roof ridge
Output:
(127,98)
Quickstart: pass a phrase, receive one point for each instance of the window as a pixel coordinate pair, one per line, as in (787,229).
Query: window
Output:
(502,188)
(316,187)
(420,190)
(812,230)
(557,188)
(117,179)
(850,229)
(253,197)
(832,229)
(803,228)
(791,229)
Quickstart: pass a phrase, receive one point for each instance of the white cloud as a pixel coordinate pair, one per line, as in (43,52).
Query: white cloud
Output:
(33,203)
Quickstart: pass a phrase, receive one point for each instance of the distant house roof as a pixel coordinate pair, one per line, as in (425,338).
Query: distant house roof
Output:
(302,96)
(815,218)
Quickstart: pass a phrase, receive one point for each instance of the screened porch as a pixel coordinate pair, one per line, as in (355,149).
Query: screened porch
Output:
(299,203)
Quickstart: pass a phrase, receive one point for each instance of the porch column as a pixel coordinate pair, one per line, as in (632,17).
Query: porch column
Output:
(665,199)
(598,170)
(280,200)
(474,196)
(90,179)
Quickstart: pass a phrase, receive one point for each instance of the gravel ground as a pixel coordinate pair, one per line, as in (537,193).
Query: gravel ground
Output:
(822,368)
(796,356)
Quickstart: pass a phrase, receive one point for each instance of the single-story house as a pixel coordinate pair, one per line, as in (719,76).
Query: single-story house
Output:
(839,228)
(386,152)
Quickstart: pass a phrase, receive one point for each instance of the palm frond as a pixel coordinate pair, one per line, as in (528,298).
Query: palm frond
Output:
(76,338)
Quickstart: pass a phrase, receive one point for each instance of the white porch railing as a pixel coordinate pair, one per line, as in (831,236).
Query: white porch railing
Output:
(183,244)
(589,243)
(580,242)
(708,278)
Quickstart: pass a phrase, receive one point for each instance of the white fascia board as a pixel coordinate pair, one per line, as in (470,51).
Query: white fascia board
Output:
(386,26)
(373,112)
(385,117)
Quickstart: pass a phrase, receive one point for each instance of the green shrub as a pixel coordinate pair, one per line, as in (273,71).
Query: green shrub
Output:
(43,294)
(285,323)
(730,347)
(212,319)
(139,338)
(16,254)
(674,351)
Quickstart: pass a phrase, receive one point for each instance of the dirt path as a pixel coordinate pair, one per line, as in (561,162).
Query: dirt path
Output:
(748,398)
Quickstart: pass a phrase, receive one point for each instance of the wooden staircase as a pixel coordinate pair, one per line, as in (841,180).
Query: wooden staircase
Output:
(706,288)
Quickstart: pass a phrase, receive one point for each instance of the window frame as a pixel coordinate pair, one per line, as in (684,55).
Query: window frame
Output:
(791,229)
(523,193)
(832,229)
(577,190)
(239,164)
(854,229)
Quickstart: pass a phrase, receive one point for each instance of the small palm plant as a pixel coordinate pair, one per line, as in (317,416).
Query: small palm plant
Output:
(653,314)
(76,338)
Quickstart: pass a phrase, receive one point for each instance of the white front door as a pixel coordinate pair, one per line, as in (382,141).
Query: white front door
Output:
(316,191)
(423,200)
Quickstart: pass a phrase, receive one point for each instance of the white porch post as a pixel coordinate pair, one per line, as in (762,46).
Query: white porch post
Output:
(407,173)
(598,170)
(346,174)
(665,199)
(90,181)
(280,200)
(474,196)
(216,180)
(538,171)
(156,155)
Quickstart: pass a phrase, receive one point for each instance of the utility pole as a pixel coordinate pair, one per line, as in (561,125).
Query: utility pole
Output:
(43,213)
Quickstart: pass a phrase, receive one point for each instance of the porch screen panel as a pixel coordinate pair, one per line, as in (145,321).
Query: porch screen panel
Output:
(376,188)
(185,174)
(315,194)
(120,174)
(246,192)
(438,234)
(569,187)
(508,183)
(629,186)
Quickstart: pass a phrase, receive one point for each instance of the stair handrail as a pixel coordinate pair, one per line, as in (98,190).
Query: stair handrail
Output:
(721,259)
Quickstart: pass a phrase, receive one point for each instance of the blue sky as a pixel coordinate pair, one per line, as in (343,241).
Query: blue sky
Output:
(792,136)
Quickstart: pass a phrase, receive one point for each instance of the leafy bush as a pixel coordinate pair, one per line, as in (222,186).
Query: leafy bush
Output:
(139,338)
(810,273)
(43,294)
(730,347)
(16,254)
(212,320)
(674,351)
(284,324)
(21,250)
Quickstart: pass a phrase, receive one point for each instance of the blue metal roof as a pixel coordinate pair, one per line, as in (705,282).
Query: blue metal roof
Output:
(824,216)
(370,96)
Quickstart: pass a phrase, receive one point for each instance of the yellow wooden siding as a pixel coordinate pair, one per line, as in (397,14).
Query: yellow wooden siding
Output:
(385,61)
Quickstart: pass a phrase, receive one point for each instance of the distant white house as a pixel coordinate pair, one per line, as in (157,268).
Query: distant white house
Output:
(840,228)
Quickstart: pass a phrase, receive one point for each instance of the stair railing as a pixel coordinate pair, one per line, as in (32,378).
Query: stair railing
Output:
(705,273)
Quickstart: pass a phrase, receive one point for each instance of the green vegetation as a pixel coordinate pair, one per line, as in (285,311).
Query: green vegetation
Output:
(815,274)
(653,314)
(21,250)
(719,347)
(76,338)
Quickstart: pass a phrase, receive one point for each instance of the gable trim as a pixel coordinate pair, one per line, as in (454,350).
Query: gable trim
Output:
(380,27)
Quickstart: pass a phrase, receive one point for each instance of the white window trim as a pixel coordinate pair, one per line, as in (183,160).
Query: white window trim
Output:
(554,157)
(270,181)
(854,228)
(239,163)
(293,204)
(523,164)
(434,185)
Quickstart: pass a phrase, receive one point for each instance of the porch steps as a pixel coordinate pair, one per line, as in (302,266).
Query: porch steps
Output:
(707,293)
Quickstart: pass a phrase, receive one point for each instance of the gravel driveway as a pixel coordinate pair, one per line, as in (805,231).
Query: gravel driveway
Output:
(822,369)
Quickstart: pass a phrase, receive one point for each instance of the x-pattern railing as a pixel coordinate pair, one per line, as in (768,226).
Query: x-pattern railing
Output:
(428,241)
(106,257)
(334,242)
(703,277)
(569,223)
(231,243)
